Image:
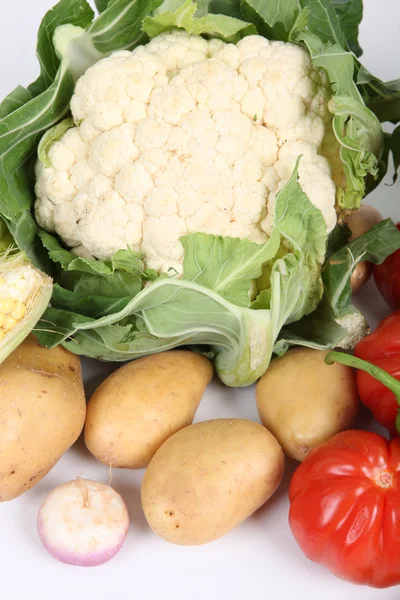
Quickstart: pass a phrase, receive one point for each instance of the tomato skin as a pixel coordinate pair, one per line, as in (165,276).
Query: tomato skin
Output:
(381,348)
(345,507)
(387,278)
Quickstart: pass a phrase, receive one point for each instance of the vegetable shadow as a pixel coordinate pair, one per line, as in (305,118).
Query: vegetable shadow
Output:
(283,490)
(366,421)
(95,372)
(28,511)
(131,495)
(273,518)
(79,448)
(222,402)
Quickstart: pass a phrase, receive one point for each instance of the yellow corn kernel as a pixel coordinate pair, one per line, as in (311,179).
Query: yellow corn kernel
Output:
(6,305)
(19,310)
(2,281)
(2,320)
(9,323)
(2,334)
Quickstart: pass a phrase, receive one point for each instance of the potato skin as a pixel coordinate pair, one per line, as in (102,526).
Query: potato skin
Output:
(42,408)
(304,402)
(142,404)
(359,222)
(208,478)
(360,275)
(362,219)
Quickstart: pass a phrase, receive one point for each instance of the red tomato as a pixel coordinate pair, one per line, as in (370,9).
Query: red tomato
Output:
(345,507)
(387,278)
(381,348)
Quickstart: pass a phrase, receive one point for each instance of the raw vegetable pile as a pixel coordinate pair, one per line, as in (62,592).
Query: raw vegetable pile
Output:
(179,170)
(182,186)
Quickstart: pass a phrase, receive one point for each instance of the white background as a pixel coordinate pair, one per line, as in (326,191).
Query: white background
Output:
(259,559)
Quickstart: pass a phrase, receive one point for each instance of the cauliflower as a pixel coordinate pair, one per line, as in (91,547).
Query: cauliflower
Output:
(187,135)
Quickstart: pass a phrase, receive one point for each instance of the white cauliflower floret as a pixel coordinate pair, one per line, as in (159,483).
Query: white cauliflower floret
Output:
(186,135)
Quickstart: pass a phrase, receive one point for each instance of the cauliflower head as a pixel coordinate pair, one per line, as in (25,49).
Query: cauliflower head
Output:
(187,135)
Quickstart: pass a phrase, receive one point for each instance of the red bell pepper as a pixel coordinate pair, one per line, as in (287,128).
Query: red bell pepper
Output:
(381,348)
(387,278)
(345,507)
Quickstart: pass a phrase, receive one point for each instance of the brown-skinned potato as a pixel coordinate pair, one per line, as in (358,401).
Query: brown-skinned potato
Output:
(360,275)
(359,222)
(142,404)
(304,402)
(208,478)
(42,410)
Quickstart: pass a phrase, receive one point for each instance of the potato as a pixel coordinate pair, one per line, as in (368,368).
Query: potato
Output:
(304,402)
(142,404)
(359,222)
(360,275)
(42,408)
(208,478)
